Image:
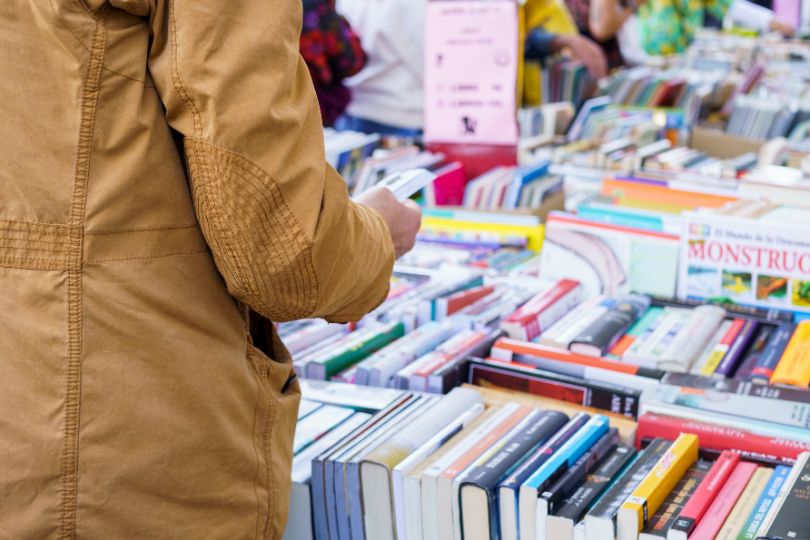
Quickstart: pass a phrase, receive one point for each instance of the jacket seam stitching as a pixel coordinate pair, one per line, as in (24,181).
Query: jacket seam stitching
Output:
(146,257)
(176,80)
(70,453)
(151,229)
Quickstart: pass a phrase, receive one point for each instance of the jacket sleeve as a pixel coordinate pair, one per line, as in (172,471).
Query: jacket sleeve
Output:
(284,234)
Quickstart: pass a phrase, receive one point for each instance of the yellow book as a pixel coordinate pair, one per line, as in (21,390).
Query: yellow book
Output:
(745,504)
(532,233)
(651,492)
(794,367)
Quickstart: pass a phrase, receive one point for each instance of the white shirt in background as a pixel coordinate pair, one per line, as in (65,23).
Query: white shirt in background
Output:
(389,88)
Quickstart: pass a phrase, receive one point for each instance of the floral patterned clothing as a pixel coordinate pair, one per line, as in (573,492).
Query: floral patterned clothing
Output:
(668,26)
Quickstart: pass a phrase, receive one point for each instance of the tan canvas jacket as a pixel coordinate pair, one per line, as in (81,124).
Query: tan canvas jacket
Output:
(132,402)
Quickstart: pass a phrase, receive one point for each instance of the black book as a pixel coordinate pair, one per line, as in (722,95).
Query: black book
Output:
(670,509)
(787,519)
(573,509)
(479,486)
(600,522)
(551,499)
(599,395)
(602,334)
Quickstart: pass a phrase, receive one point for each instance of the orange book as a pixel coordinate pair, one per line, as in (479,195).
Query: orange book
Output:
(794,367)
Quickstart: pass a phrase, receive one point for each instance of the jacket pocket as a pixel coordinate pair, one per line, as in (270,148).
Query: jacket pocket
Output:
(280,393)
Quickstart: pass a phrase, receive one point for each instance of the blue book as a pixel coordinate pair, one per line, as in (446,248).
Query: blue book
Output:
(772,353)
(508,489)
(523,176)
(764,503)
(559,462)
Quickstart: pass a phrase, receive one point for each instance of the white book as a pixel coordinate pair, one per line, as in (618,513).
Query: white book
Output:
(317,424)
(421,454)
(552,336)
(435,516)
(375,469)
(698,364)
(644,354)
(698,330)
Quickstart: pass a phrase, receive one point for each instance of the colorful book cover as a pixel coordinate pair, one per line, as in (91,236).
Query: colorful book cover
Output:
(747,261)
(745,504)
(794,367)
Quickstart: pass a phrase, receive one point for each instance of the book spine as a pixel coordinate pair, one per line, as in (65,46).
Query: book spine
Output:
(772,354)
(672,506)
(721,507)
(720,437)
(608,505)
(706,492)
(794,367)
(745,504)
(573,477)
(575,506)
(648,496)
(543,310)
(601,335)
(789,513)
(763,504)
(731,360)
(754,354)
(637,332)
(589,394)
(721,349)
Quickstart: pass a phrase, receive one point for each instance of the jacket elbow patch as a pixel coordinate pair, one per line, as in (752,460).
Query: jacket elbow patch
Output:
(257,242)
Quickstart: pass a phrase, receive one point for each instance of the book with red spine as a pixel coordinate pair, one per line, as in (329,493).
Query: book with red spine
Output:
(716,437)
(724,502)
(543,310)
(704,496)
(453,303)
(506,348)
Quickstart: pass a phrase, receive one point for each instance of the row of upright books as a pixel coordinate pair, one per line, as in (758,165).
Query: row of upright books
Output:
(399,465)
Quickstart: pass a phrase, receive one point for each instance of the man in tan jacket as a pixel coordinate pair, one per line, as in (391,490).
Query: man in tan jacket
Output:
(134,402)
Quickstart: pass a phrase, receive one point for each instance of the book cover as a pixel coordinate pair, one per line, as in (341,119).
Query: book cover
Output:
(672,506)
(745,504)
(600,521)
(764,503)
(479,486)
(787,518)
(737,386)
(746,260)
(508,489)
(772,354)
(794,367)
(573,509)
(618,260)
(718,512)
(562,460)
(650,493)
(318,424)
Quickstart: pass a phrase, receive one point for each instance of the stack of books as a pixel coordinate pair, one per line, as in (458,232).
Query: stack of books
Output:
(390,464)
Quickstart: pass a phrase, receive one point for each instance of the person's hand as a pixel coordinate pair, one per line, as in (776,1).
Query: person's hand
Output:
(782,27)
(587,52)
(403,218)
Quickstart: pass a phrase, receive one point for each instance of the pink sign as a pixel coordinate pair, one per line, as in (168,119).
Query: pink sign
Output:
(471,65)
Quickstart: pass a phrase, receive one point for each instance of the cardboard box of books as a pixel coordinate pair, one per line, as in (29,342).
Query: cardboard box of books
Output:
(750,262)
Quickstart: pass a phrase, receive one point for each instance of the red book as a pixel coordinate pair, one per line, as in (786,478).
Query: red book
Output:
(456,302)
(705,495)
(714,437)
(724,502)
(543,310)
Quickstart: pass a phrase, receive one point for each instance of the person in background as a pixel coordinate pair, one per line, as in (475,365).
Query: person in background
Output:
(332,52)
(387,93)
(601,20)
(669,26)
(551,29)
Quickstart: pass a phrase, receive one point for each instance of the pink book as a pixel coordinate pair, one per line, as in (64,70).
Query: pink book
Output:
(718,512)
